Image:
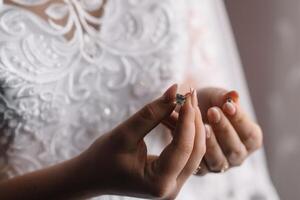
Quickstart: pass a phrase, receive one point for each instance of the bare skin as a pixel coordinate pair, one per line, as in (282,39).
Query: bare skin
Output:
(126,169)
(231,134)
(118,163)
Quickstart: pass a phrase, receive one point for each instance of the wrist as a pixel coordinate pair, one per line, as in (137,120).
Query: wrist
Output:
(61,181)
(77,184)
(90,179)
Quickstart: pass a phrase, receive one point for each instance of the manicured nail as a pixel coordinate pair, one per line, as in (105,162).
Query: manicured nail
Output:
(229,108)
(207,131)
(194,98)
(232,96)
(214,115)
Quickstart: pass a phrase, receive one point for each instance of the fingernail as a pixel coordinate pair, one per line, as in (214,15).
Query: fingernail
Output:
(233,96)
(170,93)
(229,108)
(194,98)
(207,131)
(214,115)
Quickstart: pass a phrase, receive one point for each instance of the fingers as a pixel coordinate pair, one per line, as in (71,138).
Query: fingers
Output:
(140,124)
(227,138)
(214,157)
(199,144)
(203,170)
(209,97)
(175,156)
(170,121)
(218,96)
(249,132)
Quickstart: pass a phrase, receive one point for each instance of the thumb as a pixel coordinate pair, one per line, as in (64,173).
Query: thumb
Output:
(141,123)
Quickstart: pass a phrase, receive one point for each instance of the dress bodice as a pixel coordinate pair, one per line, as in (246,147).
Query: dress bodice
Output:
(62,93)
(64,84)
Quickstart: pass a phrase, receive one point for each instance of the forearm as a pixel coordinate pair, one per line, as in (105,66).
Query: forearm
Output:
(62,181)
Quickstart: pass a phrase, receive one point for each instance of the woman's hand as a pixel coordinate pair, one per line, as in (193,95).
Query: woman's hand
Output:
(231,134)
(118,163)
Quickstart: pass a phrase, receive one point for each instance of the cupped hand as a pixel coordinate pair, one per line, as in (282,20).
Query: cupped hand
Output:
(231,135)
(118,163)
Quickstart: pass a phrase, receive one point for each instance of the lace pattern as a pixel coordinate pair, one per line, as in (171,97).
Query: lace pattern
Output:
(60,89)
(64,84)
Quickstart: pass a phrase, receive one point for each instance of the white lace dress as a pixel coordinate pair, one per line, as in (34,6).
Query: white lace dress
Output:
(64,84)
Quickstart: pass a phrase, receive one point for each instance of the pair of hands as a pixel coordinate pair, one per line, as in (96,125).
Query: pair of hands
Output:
(220,137)
(230,134)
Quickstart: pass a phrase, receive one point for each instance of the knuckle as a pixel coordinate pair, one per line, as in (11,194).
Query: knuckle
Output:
(217,165)
(148,113)
(161,189)
(236,158)
(254,139)
(223,127)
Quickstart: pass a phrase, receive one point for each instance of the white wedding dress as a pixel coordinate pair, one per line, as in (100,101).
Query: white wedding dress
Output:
(58,93)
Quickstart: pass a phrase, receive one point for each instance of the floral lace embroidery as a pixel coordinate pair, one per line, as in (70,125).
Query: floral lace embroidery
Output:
(58,92)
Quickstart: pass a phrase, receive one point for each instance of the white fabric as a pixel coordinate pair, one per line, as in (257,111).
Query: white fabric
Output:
(57,95)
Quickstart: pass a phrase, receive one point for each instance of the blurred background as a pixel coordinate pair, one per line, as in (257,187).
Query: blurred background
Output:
(267,33)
